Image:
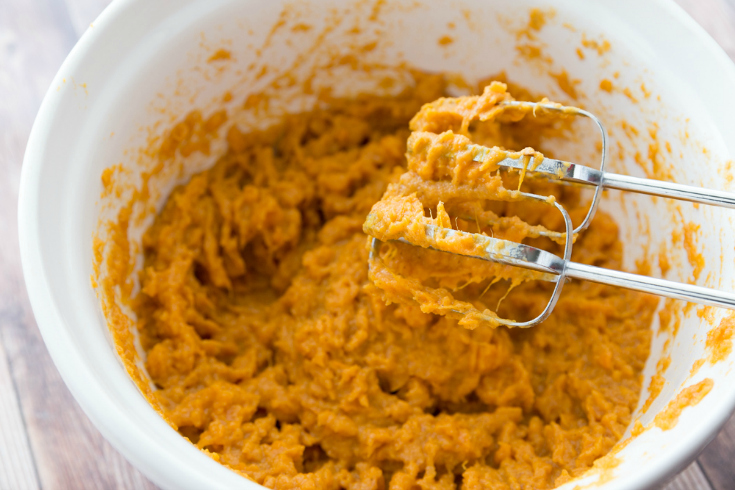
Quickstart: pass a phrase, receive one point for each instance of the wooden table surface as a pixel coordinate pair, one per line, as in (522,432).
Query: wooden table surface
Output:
(46,441)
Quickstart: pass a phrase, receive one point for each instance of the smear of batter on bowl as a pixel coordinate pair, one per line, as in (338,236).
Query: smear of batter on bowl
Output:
(689,396)
(719,340)
(271,349)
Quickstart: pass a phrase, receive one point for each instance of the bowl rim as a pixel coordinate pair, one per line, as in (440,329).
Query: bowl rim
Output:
(98,406)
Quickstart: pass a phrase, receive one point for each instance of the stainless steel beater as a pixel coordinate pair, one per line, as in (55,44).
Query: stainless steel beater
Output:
(558,269)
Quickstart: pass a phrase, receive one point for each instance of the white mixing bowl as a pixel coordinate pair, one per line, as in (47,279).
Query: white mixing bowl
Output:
(145,62)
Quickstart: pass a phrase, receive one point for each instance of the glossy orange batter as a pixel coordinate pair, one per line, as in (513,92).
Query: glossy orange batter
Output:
(272,350)
(457,180)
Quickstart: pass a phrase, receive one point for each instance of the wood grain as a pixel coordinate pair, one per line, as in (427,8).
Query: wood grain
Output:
(692,478)
(45,439)
(17,468)
(718,459)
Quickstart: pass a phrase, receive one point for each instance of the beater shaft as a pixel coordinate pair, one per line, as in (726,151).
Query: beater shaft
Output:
(652,285)
(581,174)
(669,190)
(521,255)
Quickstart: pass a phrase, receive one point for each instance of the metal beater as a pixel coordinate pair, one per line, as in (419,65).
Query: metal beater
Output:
(558,269)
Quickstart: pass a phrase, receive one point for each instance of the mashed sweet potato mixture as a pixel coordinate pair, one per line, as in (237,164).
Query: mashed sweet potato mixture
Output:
(455,179)
(273,350)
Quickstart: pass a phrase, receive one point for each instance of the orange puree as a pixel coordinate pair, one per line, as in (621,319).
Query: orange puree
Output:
(271,349)
(689,396)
